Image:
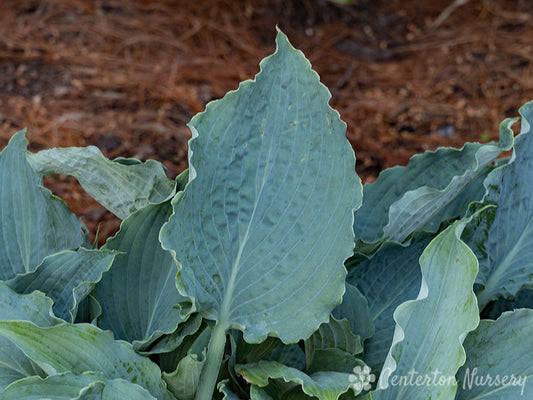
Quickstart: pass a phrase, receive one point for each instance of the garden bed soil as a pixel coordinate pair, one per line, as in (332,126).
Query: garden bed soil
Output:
(127,75)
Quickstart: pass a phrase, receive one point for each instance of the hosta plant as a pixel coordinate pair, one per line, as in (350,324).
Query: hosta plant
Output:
(266,270)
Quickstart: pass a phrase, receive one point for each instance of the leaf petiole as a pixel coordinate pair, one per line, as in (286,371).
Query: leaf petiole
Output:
(215,353)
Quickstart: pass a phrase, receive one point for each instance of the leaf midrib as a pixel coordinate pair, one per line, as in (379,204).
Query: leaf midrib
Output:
(228,293)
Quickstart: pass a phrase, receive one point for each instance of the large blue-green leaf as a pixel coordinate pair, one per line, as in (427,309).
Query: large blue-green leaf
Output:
(82,348)
(68,386)
(506,262)
(34,307)
(122,186)
(33,222)
(271,176)
(66,277)
(391,277)
(498,363)
(138,295)
(433,187)
(427,342)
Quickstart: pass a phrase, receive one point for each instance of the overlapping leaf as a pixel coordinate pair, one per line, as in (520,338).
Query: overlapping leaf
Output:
(523,299)
(281,391)
(332,335)
(81,348)
(33,222)
(427,342)
(34,307)
(248,353)
(325,385)
(290,355)
(498,364)
(66,277)
(435,186)
(354,308)
(139,298)
(506,262)
(122,186)
(194,344)
(68,386)
(187,363)
(228,394)
(186,331)
(88,310)
(183,382)
(272,174)
(391,277)
(332,376)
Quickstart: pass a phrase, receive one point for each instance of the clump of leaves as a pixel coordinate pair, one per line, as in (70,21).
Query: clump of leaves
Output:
(267,271)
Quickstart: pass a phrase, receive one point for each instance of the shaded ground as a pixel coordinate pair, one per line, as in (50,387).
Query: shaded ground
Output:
(127,75)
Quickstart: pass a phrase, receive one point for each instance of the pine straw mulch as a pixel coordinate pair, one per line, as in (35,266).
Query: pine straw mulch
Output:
(127,75)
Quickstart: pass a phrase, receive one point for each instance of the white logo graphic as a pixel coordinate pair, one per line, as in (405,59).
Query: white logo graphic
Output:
(362,378)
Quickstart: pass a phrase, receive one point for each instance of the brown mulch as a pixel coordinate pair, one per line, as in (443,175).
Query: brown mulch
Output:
(127,75)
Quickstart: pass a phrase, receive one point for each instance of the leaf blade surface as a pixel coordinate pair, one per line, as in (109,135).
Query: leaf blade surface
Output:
(435,351)
(138,295)
(271,173)
(122,186)
(33,222)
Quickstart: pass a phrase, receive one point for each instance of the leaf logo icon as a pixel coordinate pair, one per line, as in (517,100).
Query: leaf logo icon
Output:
(362,378)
